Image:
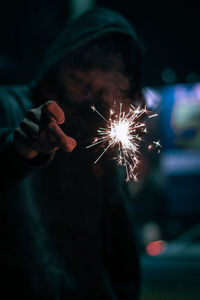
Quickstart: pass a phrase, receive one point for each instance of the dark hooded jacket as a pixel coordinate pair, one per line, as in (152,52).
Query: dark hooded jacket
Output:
(66,231)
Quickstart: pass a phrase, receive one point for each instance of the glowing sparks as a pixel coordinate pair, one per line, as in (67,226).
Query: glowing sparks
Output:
(153,116)
(150,147)
(123,130)
(157,144)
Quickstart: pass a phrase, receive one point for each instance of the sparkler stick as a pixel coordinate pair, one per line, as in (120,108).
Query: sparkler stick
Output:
(124,130)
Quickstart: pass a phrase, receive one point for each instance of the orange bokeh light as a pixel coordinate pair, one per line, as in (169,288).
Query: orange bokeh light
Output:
(155,248)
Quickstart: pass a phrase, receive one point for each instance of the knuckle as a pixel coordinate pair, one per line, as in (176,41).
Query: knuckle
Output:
(46,109)
(52,109)
(49,104)
(31,113)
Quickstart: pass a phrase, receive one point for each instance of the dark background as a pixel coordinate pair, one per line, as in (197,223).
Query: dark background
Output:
(170,33)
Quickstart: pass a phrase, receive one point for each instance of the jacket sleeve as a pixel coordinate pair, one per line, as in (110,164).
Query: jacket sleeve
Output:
(13,166)
(121,246)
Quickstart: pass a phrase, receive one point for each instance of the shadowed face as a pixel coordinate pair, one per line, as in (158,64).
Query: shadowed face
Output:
(97,87)
(88,86)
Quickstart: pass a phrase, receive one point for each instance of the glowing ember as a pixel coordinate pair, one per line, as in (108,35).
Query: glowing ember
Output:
(123,130)
(150,147)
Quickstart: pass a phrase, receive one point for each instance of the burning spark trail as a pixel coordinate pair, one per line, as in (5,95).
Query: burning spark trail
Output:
(152,116)
(123,130)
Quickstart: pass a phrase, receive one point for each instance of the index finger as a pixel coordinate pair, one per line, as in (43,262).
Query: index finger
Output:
(63,141)
(55,111)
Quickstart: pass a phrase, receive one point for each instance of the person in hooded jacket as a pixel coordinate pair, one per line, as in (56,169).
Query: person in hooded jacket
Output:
(67,224)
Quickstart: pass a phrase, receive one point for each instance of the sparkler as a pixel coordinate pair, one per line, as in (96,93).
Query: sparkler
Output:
(124,131)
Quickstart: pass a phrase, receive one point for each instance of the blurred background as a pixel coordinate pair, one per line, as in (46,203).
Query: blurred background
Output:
(167,197)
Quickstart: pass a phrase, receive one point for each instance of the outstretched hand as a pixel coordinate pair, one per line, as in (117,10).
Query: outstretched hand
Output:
(40,132)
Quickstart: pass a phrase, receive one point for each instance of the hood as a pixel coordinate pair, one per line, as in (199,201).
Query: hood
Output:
(91,25)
